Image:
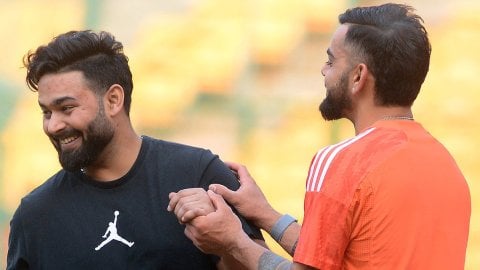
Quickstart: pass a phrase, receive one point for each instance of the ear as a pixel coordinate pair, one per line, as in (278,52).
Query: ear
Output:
(359,78)
(114,98)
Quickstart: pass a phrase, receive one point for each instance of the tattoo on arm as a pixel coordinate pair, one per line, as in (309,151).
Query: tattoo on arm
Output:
(272,261)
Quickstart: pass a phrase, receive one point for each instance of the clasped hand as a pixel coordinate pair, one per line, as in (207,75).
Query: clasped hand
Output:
(210,222)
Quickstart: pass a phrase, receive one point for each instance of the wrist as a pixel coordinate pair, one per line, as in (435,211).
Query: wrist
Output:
(280,226)
(267,219)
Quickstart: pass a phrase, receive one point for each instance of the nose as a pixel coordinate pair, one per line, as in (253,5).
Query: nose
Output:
(54,124)
(323,70)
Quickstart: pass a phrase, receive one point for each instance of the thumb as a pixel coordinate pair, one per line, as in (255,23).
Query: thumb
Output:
(217,201)
(223,191)
(242,172)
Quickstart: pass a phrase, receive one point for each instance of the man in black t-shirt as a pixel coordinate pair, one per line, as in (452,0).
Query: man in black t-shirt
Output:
(107,207)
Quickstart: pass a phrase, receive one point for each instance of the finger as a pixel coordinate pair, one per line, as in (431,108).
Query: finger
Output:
(183,195)
(192,206)
(173,201)
(190,191)
(243,175)
(177,200)
(176,197)
(192,214)
(233,165)
(184,207)
(227,194)
(218,201)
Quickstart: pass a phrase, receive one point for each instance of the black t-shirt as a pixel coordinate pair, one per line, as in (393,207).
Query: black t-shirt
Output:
(73,222)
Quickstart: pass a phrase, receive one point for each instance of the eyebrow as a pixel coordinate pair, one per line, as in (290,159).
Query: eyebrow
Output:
(58,101)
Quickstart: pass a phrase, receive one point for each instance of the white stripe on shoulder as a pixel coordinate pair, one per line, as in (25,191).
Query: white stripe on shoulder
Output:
(318,162)
(321,165)
(314,168)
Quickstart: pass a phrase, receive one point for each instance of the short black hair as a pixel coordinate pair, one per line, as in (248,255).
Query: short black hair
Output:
(394,44)
(97,55)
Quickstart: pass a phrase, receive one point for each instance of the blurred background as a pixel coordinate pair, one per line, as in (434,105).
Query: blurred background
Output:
(239,77)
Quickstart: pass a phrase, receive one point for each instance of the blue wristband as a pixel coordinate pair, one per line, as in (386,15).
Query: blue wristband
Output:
(281,226)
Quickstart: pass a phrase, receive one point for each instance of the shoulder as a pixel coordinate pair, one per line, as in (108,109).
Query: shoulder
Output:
(168,149)
(49,185)
(376,138)
(48,191)
(352,159)
(367,143)
(375,143)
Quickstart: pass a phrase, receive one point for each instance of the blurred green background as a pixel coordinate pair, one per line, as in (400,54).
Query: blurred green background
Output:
(239,77)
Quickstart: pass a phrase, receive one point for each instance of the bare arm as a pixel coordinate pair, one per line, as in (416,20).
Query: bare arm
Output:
(251,203)
(220,233)
(192,202)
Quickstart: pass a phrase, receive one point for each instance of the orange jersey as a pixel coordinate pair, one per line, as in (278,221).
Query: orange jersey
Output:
(390,198)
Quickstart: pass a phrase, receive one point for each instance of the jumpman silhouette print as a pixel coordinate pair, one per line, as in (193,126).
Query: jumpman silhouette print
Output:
(112,234)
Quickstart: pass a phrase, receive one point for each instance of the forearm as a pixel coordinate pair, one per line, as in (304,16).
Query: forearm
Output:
(228,261)
(247,253)
(252,256)
(289,239)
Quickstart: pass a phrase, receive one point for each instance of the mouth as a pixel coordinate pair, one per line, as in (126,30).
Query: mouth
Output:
(69,143)
(68,140)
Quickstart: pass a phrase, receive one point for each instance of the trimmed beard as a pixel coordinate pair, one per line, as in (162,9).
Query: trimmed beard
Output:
(337,100)
(98,135)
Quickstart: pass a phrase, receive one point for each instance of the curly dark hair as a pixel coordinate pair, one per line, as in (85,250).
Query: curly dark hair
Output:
(392,41)
(97,55)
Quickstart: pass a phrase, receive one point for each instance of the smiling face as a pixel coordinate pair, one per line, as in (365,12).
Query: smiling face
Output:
(74,119)
(338,102)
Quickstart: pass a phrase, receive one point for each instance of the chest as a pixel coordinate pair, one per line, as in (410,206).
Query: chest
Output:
(129,228)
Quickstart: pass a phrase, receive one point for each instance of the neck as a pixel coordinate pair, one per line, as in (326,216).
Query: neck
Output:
(398,117)
(117,159)
(364,120)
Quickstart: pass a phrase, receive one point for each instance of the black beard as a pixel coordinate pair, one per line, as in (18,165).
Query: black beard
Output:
(98,136)
(332,109)
(336,102)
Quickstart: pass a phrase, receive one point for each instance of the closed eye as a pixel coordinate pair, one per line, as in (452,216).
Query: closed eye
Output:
(67,108)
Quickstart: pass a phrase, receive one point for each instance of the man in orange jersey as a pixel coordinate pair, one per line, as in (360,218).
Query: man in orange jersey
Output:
(391,197)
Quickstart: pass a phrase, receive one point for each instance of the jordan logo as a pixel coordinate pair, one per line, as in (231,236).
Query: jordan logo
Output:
(111,234)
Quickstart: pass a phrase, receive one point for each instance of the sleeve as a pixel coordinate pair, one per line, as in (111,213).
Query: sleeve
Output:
(217,172)
(325,232)
(17,254)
